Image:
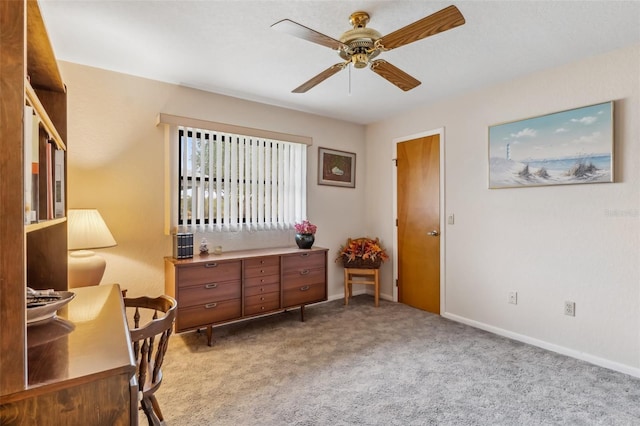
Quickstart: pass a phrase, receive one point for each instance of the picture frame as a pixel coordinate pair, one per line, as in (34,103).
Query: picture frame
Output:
(573,146)
(336,168)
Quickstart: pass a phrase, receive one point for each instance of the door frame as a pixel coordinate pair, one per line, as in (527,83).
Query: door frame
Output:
(443,221)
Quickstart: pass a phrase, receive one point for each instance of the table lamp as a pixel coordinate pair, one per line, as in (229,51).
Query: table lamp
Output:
(86,230)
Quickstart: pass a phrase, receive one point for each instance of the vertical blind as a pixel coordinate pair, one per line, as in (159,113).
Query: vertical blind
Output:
(234,182)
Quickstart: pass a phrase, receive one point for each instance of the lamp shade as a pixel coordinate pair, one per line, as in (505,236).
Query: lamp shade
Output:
(87,230)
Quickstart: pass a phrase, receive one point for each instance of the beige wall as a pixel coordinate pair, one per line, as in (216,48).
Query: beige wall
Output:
(550,244)
(116,164)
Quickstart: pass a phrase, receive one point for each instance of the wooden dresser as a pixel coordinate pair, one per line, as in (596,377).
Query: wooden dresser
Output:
(81,366)
(215,289)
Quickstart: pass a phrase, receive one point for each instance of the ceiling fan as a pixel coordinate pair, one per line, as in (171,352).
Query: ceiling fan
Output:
(361,45)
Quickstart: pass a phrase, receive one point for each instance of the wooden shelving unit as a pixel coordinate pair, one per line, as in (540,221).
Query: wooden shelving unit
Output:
(35,254)
(49,372)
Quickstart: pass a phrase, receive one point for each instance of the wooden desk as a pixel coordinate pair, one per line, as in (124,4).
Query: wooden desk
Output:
(80,366)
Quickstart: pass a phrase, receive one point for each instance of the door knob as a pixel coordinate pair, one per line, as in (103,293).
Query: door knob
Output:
(433,233)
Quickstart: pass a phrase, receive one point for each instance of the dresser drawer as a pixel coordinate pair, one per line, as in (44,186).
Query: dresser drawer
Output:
(261,271)
(261,303)
(258,262)
(301,261)
(208,313)
(261,289)
(257,281)
(209,272)
(303,294)
(210,292)
(303,277)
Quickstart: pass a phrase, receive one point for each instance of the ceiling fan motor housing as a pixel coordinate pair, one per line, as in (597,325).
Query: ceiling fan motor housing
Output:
(361,42)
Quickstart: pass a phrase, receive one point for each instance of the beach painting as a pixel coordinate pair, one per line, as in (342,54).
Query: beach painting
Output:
(568,147)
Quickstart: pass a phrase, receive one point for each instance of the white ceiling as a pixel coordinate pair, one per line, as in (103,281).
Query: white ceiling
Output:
(228,47)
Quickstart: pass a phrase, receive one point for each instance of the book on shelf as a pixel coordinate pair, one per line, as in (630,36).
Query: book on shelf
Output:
(58,181)
(28,133)
(31,165)
(49,177)
(44,172)
(45,175)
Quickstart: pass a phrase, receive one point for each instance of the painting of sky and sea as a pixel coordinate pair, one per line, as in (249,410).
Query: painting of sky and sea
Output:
(568,147)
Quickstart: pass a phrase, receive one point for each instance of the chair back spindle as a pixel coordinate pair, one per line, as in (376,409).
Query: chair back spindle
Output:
(148,354)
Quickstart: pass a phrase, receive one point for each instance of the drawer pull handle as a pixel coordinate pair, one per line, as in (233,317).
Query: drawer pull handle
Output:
(210,305)
(211,265)
(212,285)
(304,272)
(262,299)
(305,288)
(262,271)
(262,307)
(261,289)
(305,255)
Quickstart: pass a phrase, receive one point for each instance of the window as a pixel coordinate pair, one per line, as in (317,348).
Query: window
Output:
(230,181)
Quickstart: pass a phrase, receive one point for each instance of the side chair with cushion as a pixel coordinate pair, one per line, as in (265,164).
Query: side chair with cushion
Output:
(150,342)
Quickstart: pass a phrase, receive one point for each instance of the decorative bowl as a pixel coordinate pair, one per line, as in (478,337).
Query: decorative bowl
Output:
(48,310)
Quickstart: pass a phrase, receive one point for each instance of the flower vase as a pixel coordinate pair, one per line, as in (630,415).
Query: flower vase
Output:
(305,241)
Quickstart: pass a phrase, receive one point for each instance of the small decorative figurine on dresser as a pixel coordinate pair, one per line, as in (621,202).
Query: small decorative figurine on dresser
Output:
(204,247)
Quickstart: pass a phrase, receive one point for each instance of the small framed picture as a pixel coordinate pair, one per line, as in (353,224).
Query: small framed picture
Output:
(336,168)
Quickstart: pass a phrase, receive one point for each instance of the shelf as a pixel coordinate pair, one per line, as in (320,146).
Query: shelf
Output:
(44,224)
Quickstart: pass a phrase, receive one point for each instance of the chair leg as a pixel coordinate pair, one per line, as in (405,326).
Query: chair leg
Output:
(156,407)
(376,288)
(346,286)
(147,407)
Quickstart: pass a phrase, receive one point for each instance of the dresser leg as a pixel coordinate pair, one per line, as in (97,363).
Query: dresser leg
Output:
(209,335)
(302,313)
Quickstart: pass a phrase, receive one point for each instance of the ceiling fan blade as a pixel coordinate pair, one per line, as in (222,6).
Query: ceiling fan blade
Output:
(320,77)
(443,20)
(300,31)
(394,74)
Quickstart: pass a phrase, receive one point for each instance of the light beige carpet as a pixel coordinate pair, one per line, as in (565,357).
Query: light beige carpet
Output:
(392,365)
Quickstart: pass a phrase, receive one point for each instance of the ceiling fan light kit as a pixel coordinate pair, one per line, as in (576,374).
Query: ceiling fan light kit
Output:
(360,45)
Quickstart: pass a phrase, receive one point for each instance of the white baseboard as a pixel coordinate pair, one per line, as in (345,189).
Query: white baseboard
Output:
(601,362)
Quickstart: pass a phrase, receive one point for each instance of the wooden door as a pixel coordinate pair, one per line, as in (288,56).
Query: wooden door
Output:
(419,223)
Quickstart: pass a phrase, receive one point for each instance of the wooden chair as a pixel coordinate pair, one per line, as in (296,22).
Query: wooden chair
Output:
(150,342)
(365,276)
(366,271)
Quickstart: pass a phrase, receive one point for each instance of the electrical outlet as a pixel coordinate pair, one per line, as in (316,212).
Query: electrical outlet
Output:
(570,308)
(513,297)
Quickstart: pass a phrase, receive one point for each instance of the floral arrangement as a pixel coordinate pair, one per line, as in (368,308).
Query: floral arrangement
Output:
(305,227)
(365,249)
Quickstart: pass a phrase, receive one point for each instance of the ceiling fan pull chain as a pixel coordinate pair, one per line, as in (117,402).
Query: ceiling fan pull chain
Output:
(349,79)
